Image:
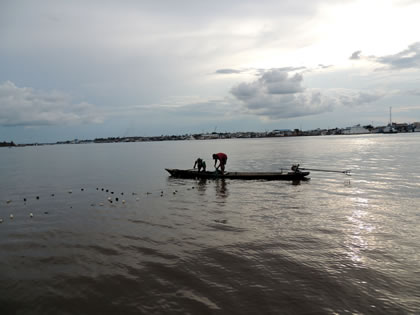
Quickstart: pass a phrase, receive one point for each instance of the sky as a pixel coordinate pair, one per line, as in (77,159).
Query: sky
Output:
(90,69)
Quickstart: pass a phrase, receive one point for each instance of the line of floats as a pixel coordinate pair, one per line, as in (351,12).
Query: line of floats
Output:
(111,199)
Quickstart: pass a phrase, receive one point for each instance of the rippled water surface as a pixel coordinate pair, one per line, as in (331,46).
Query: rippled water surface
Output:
(334,244)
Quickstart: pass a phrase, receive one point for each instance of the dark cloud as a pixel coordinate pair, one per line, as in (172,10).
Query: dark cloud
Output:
(274,81)
(356,55)
(279,94)
(279,82)
(28,107)
(276,94)
(406,59)
(246,91)
(228,71)
(288,106)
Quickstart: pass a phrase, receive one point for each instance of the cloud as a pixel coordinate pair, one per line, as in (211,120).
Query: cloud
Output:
(408,58)
(260,72)
(194,106)
(322,66)
(356,55)
(271,82)
(352,98)
(228,71)
(28,107)
(415,92)
(277,94)
(204,110)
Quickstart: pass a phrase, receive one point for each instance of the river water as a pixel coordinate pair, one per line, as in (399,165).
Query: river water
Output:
(333,244)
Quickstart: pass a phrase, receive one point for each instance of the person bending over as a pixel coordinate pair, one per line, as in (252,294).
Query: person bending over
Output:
(200,164)
(222,158)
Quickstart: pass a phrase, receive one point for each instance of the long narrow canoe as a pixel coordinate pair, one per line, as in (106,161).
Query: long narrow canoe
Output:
(239,175)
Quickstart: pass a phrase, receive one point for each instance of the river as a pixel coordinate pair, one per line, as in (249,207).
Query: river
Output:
(103,229)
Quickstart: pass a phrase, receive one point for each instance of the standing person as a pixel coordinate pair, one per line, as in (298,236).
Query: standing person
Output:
(201,164)
(222,158)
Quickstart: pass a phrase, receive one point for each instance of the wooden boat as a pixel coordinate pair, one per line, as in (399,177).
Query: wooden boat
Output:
(294,175)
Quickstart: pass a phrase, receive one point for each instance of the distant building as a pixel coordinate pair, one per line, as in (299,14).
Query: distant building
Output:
(208,136)
(400,127)
(355,130)
(389,129)
(281,132)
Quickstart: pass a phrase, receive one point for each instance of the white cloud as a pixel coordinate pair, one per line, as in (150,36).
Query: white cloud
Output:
(29,107)
(277,94)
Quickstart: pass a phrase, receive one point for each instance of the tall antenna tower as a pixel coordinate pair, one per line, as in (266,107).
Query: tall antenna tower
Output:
(390,116)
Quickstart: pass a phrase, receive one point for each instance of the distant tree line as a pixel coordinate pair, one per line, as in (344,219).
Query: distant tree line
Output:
(7,144)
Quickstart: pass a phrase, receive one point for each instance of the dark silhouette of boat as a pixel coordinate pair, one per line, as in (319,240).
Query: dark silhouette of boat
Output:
(195,174)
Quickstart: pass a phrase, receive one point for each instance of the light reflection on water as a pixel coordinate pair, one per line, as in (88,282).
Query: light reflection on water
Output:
(333,244)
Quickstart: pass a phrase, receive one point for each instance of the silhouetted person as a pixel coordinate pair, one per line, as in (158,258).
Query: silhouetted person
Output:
(222,158)
(200,164)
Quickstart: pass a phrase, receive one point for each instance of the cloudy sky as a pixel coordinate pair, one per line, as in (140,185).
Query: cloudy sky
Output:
(87,69)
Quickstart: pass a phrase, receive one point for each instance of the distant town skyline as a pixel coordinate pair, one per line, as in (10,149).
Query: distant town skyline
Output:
(97,69)
(353,130)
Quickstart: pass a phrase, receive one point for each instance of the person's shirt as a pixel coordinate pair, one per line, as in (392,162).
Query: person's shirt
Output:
(221,156)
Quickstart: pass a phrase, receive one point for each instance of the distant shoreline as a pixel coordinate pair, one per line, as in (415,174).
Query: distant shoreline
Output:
(356,130)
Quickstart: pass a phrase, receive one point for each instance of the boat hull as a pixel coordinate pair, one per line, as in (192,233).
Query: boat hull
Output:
(239,175)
